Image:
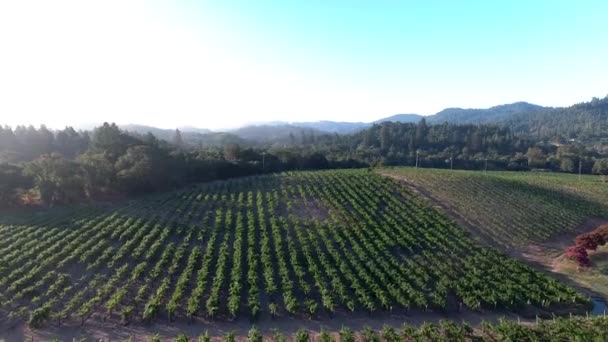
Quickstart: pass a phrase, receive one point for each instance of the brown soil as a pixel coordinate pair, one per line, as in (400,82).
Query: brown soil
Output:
(314,210)
(543,256)
(113,331)
(551,251)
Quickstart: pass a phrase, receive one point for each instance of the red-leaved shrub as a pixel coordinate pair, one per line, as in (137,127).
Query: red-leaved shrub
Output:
(578,254)
(587,241)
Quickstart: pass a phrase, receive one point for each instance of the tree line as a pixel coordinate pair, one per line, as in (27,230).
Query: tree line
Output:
(38,165)
(41,166)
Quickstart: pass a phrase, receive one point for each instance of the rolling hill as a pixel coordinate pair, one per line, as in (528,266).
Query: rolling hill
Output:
(586,120)
(519,208)
(287,246)
(494,114)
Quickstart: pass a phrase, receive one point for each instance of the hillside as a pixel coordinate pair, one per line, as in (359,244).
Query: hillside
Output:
(458,116)
(513,209)
(284,134)
(302,244)
(532,216)
(333,126)
(405,118)
(583,121)
(483,116)
(190,136)
(586,120)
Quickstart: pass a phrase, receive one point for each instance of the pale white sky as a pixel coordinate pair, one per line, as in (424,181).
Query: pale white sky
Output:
(208,64)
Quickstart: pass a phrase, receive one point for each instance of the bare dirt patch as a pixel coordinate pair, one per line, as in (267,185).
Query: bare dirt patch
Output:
(311,210)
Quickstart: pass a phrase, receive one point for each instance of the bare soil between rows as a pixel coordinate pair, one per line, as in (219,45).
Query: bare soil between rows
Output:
(114,331)
(545,256)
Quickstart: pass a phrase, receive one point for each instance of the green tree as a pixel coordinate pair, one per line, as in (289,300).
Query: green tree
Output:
(178,141)
(536,157)
(110,139)
(600,166)
(11,180)
(566,164)
(57,179)
(142,168)
(99,174)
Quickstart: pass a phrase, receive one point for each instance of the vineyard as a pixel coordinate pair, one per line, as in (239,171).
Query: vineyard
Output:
(513,209)
(302,244)
(593,328)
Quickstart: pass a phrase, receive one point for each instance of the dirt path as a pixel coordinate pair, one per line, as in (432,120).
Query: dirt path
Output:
(113,331)
(549,252)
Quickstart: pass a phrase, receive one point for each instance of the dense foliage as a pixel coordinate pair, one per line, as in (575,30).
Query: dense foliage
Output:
(68,166)
(587,121)
(305,243)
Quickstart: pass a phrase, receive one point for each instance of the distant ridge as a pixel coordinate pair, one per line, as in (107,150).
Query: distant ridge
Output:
(402,118)
(284,130)
(496,114)
(489,115)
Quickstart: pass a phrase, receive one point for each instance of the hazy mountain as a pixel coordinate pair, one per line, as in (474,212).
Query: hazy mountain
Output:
(160,133)
(190,135)
(477,116)
(290,132)
(333,126)
(586,121)
(279,133)
(494,114)
(194,129)
(340,127)
(402,118)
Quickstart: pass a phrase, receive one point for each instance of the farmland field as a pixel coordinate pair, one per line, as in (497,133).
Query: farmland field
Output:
(513,209)
(300,244)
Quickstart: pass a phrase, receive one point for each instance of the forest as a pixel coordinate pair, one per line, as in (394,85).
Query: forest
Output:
(49,167)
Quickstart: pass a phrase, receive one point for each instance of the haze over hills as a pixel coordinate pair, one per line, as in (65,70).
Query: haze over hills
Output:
(522,117)
(402,118)
(494,114)
(489,115)
(189,135)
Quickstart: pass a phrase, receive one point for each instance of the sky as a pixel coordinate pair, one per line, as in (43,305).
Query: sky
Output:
(221,64)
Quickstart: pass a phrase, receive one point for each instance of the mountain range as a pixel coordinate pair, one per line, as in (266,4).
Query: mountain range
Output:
(522,117)
(450,115)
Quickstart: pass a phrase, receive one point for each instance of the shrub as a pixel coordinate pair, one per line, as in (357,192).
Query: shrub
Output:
(578,254)
(302,336)
(390,334)
(346,335)
(254,335)
(369,335)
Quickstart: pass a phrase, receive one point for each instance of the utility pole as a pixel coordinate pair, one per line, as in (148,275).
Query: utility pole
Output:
(417,153)
(452,161)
